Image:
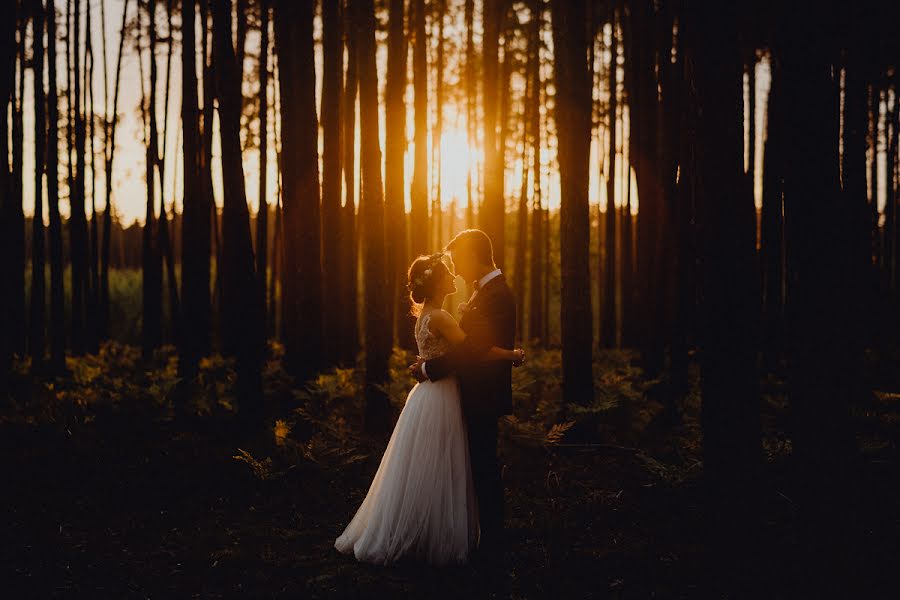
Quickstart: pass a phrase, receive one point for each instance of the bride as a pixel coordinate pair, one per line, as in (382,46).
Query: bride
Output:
(421,503)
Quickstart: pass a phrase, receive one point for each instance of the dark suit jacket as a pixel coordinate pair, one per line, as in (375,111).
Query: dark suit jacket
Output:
(489,320)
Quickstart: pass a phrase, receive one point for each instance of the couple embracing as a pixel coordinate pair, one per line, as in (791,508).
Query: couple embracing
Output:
(437,495)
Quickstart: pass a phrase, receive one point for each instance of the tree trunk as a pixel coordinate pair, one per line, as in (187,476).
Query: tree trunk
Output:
(771,228)
(7,79)
(419,195)
(165,240)
(92,333)
(378,342)
(57,296)
(471,108)
(332,75)
(644,118)
(196,212)
(211,222)
(573,121)
(438,207)
(536,278)
(823,364)
(38,294)
(732,456)
(350,250)
(242,316)
(262,213)
(16,215)
(608,316)
(301,281)
(527,130)
(151,261)
(78,220)
(394,183)
(109,149)
(493,211)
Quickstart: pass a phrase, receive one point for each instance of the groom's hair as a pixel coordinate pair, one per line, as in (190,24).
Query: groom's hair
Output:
(475,240)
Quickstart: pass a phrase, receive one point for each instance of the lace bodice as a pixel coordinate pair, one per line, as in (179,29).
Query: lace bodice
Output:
(431,345)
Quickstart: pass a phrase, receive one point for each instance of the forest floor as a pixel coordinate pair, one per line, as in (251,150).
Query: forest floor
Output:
(112,489)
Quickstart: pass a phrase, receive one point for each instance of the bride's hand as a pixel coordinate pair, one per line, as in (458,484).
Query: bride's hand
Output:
(520,357)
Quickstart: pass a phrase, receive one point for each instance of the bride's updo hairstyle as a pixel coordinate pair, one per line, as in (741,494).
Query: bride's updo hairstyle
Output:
(423,274)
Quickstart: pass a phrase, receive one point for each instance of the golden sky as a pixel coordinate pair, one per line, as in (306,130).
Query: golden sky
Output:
(129,193)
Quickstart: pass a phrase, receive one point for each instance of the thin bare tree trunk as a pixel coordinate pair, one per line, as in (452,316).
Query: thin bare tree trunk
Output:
(536,308)
(38,281)
(17,216)
(332,75)
(493,210)
(262,214)
(573,119)
(471,107)
(438,207)
(419,197)
(196,212)
(349,264)
(241,312)
(608,272)
(395,184)
(78,220)
(109,149)
(301,281)
(165,239)
(92,312)
(57,296)
(378,342)
(7,82)
(151,261)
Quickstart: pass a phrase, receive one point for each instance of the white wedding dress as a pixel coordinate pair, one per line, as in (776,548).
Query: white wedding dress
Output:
(421,503)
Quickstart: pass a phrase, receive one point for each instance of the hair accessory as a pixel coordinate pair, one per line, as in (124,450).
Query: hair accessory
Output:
(432,260)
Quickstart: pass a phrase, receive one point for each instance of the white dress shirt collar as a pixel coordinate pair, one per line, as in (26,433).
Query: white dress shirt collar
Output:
(484,280)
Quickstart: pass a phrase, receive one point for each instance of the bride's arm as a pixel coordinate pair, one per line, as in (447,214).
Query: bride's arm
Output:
(453,333)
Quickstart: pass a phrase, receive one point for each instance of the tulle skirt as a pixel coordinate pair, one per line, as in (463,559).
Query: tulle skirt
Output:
(421,503)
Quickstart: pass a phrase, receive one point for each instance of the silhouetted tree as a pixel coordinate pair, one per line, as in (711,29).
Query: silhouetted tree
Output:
(242,315)
(439,8)
(573,122)
(771,225)
(57,297)
(536,276)
(78,221)
(151,261)
(378,337)
(7,79)
(608,270)
(471,107)
(38,295)
(644,118)
(301,281)
(418,214)
(350,248)
(394,176)
(196,214)
(732,452)
(110,121)
(262,214)
(16,214)
(492,215)
(823,365)
(332,75)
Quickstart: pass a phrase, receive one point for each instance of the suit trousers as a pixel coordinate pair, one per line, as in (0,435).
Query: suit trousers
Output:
(482,430)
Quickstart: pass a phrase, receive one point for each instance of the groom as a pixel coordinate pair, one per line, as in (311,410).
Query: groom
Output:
(489,319)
